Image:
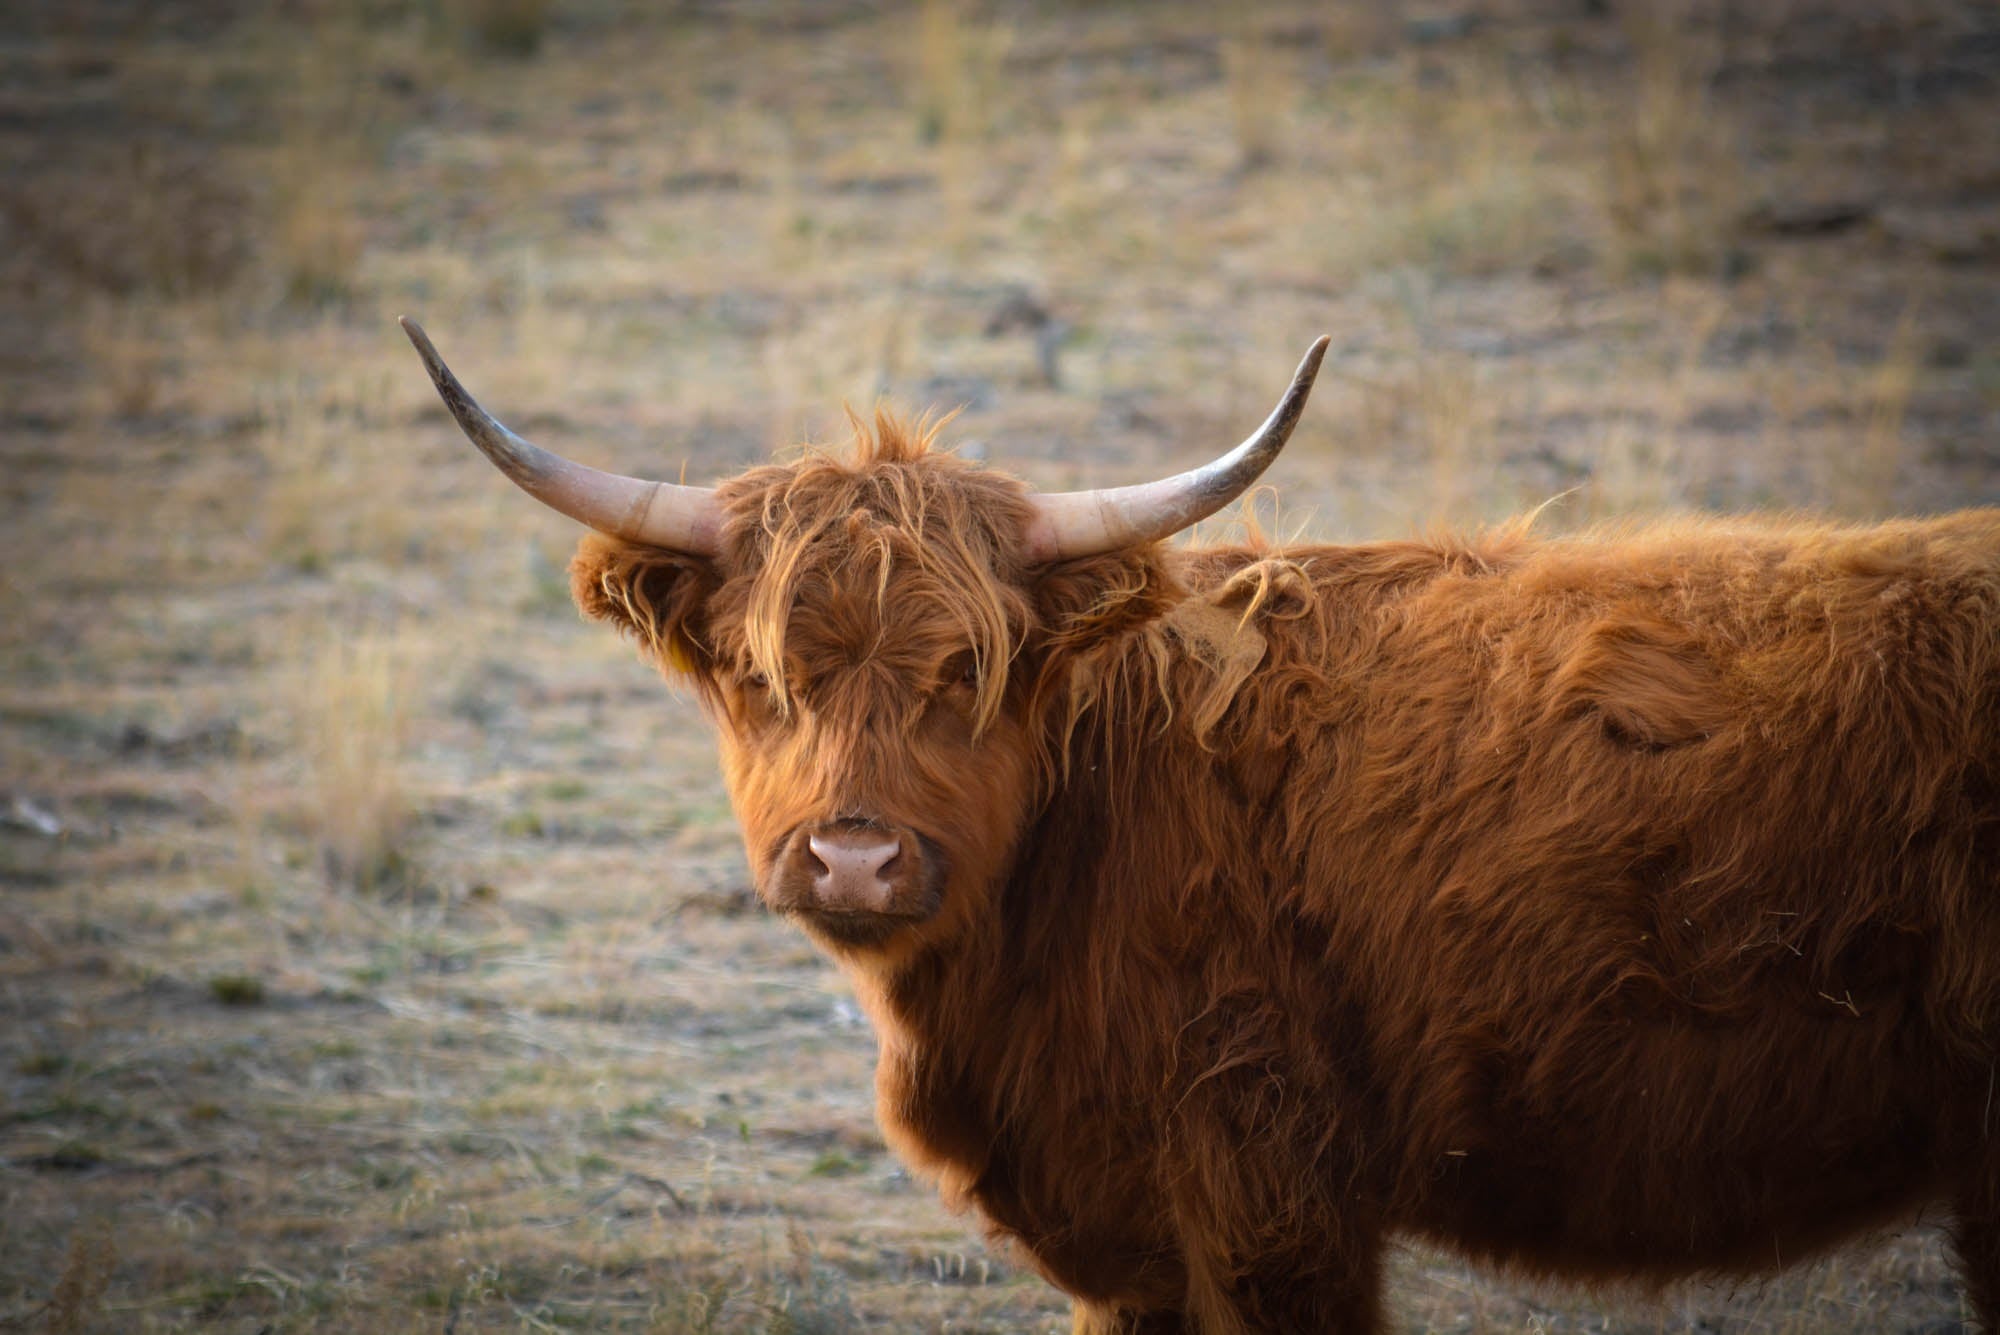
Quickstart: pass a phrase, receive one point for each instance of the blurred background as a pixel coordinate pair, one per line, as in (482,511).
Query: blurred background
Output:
(376,953)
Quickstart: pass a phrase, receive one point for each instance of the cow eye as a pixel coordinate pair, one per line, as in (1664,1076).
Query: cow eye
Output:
(757,682)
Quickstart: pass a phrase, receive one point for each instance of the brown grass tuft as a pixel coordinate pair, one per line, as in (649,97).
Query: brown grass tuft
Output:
(1886,396)
(1672,187)
(958,85)
(86,1272)
(940,59)
(315,237)
(512,28)
(1262,81)
(175,223)
(353,714)
(1449,170)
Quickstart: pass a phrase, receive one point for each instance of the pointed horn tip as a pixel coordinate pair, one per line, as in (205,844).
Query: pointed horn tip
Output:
(418,338)
(1316,354)
(434,363)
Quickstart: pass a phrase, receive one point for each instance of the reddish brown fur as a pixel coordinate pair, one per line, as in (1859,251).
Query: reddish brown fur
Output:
(1613,907)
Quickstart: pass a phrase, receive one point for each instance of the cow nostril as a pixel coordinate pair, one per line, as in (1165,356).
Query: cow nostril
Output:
(853,869)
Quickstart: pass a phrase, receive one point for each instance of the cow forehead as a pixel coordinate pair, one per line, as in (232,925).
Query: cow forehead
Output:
(825,512)
(821,617)
(909,615)
(899,563)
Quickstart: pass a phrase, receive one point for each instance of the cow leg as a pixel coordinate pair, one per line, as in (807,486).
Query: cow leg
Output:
(1088,1319)
(1976,1240)
(1336,1304)
(1279,1308)
(1335,1294)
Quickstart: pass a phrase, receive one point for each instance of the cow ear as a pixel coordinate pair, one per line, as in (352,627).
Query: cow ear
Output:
(1085,604)
(657,597)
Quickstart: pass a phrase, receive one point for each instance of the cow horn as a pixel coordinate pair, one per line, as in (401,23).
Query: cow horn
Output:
(657,514)
(1085,523)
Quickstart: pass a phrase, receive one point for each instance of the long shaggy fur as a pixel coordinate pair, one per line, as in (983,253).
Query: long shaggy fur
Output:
(1615,907)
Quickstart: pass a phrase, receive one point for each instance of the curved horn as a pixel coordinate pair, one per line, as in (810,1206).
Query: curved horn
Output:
(658,514)
(1084,523)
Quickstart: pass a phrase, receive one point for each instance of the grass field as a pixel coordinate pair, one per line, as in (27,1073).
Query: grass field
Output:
(376,953)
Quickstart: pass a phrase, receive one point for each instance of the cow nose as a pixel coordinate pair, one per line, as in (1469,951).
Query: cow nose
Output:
(853,869)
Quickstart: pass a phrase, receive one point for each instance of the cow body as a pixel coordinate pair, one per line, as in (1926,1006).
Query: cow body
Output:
(1617,907)
(1613,907)
(1605,908)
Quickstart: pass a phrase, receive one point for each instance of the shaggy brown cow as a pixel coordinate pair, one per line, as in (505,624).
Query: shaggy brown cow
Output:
(1616,907)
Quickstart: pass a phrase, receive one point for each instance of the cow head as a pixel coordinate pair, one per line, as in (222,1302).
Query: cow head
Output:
(873,635)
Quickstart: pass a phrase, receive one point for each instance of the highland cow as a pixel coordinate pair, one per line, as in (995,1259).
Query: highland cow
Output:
(1617,907)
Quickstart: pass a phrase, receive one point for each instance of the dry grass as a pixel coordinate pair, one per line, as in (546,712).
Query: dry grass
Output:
(79,1288)
(315,235)
(941,93)
(1447,168)
(1262,79)
(353,711)
(1672,180)
(507,27)
(266,618)
(181,229)
(1886,396)
(959,84)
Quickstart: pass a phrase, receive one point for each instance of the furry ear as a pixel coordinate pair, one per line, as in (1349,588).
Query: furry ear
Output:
(657,597)
(1088,610)
(1090,602)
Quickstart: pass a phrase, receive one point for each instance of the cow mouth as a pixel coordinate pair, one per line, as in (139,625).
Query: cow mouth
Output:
(852,929)
(915,897)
